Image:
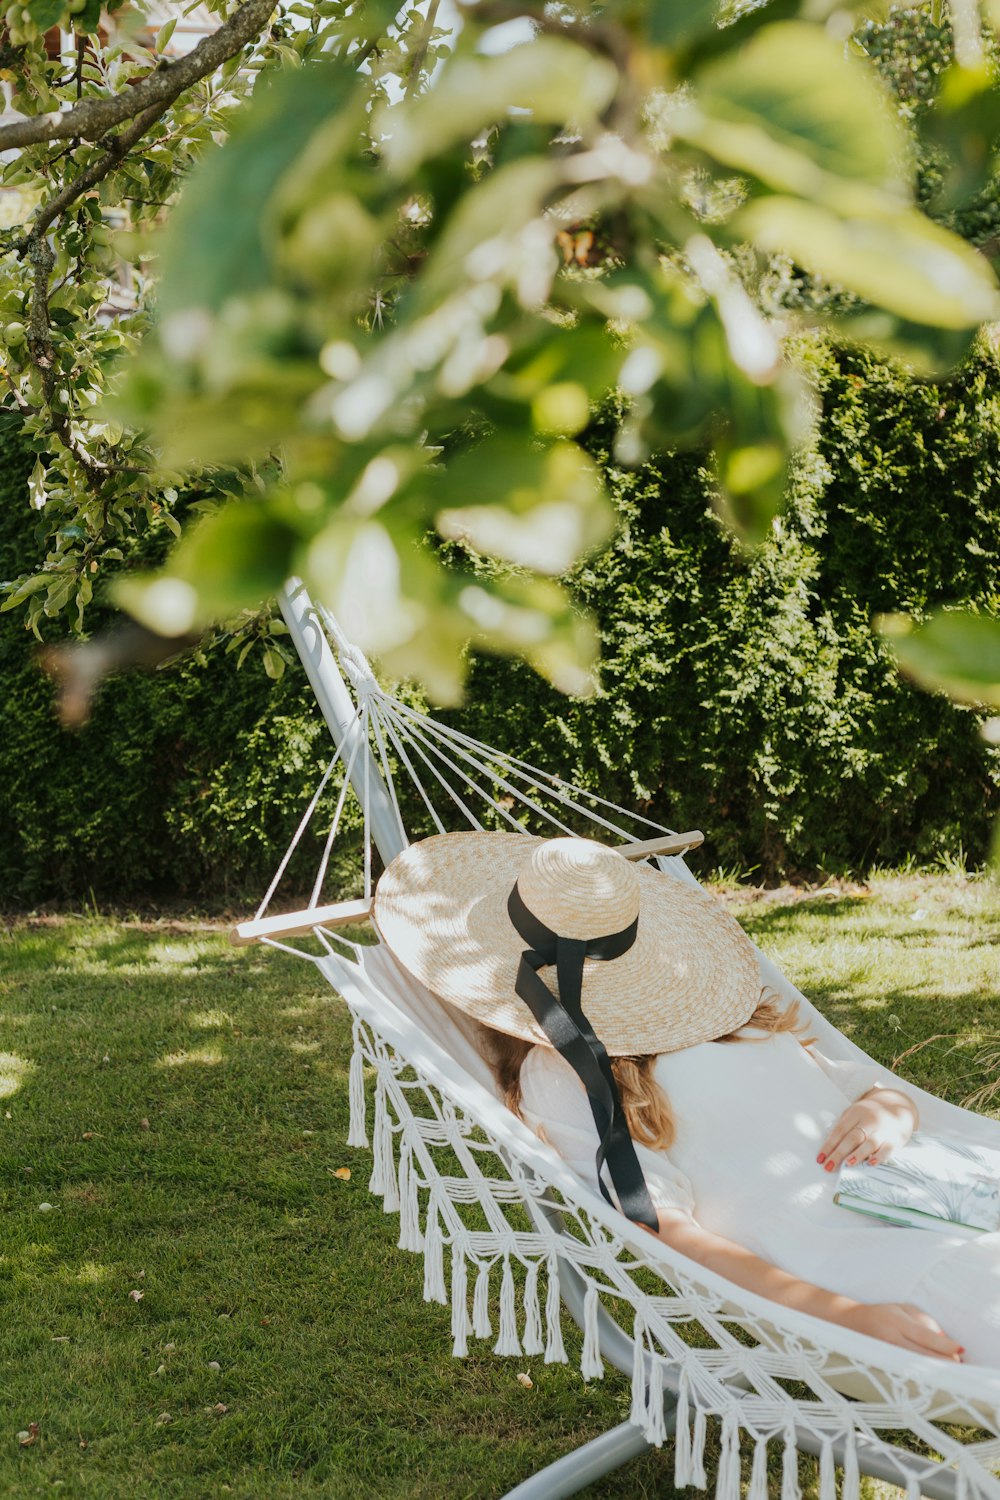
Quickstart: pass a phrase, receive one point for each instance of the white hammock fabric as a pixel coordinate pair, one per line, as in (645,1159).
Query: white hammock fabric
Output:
(505,1227)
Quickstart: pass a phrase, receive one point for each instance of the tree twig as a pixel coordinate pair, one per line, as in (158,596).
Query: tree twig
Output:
(93,118)
(417,61)
(118,146)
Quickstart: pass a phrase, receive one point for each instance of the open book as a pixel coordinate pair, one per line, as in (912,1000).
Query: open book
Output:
(927,1184)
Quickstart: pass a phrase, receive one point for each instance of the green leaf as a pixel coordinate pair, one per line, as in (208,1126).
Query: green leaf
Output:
(965,124)
(487,220)
(535,618)
(36,486)
(232,560)
(791,109)
(274,663)
(556,81)
(164,34)
(536,508)
(24,590)
(216,244)
(902,261)
(670,23)
(955,651)
(46,13)
(87,21)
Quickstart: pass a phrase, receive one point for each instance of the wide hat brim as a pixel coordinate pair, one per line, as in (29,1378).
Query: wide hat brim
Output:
(690,976)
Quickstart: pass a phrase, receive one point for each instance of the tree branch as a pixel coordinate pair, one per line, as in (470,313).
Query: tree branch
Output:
(118,147)
(92,118)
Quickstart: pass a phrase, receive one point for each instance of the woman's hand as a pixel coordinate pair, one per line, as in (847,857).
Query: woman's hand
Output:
(901,1323)
(870,1129)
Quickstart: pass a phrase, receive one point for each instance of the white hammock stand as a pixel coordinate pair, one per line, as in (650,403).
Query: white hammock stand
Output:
(478,1194)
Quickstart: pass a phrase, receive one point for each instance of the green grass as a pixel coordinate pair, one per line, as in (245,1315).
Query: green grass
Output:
(181,1105)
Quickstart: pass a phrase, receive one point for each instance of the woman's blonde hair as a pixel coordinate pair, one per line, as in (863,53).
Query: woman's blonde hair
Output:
(647,1109)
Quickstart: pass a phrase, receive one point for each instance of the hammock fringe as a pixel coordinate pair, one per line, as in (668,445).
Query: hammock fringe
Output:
(357,1134)
(532,1340)
(591,1364)
(434,1289)
(460,1326)
(555,1354)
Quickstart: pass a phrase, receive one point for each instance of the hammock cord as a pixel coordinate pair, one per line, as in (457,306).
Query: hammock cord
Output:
(303,825)
(361,738)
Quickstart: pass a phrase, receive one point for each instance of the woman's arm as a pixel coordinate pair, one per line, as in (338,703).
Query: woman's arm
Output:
(896,1322)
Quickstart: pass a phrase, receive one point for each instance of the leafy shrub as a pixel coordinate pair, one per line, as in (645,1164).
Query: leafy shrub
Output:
(747,697)
(750,698)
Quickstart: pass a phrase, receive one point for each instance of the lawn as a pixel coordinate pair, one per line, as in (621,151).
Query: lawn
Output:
(195,1305)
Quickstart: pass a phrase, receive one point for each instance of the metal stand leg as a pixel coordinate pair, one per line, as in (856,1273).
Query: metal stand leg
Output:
(574,1471)
(340,712)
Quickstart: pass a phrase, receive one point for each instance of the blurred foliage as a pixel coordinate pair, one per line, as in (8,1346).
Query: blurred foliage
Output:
(751,700)
(386,303)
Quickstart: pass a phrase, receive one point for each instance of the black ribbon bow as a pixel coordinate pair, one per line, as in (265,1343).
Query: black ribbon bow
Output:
(567,1028)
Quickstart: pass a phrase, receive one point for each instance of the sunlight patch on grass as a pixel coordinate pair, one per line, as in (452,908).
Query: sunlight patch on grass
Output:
(210,1020)
(13,1071)
(208,1057)
(177,952)
(91,1273)
(304,1046)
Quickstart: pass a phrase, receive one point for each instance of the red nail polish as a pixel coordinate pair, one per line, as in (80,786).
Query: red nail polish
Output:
(852,1161)
(829,1166)
(821,1157)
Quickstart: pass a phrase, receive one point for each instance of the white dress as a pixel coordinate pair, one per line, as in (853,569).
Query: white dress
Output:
(750,1118)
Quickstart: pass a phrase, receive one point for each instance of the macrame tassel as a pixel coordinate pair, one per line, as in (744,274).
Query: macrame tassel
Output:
(410,1237)
(758,1472)
(433,1257)
(637,1411)
(790,1489)
(655,1427)
(850,1486)
(390,1188)
(481,1325)
(508,1342)
(682,1436)
(532,1340)
(591,1365)
(383,1178)
(828,1472)
(698,1450)
(555,1354)
(376,1182)
(357,1134)
(459,1303)
(727,1485)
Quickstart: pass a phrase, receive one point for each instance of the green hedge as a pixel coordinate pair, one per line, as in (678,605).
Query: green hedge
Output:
(749,698)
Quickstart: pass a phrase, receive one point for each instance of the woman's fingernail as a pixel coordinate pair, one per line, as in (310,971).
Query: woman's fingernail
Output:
(961,1351)
(828,1167)
(821,1157)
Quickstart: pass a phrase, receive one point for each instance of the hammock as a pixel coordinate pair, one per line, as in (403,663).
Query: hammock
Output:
(511,1237)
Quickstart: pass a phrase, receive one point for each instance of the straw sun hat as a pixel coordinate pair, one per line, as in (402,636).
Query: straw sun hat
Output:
(679,970)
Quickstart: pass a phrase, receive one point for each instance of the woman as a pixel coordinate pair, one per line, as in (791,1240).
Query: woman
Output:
(630,1028)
